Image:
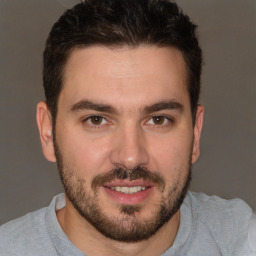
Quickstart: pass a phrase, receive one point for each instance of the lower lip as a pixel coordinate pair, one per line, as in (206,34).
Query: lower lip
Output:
(129,199)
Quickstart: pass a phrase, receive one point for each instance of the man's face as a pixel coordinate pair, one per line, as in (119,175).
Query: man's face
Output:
(124,138)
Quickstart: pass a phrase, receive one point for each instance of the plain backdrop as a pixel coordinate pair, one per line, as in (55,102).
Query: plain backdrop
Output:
(227,166)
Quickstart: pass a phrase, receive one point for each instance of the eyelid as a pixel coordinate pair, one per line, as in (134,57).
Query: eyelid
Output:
(93,125)
(167,121)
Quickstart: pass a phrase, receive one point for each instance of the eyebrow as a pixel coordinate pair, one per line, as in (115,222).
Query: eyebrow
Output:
(89,105)
(163,105)
(86,104)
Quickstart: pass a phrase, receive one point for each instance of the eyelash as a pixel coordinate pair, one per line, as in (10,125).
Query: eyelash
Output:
(91,124)
(167,121)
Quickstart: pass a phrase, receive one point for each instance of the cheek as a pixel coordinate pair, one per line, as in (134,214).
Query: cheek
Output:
(84,155)
(171,157)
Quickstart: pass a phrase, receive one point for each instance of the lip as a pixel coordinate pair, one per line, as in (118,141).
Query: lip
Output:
(128,183)
(128,199)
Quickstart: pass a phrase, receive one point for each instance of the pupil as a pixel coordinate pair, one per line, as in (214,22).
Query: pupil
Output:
(158,120)
(96,120)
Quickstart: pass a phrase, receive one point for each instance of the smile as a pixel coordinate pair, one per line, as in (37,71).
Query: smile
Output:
(129,190)
(129,194)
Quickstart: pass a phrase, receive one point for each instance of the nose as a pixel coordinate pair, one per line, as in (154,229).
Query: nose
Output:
(129,149)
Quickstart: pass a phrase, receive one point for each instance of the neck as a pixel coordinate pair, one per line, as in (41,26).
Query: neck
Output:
(78,231)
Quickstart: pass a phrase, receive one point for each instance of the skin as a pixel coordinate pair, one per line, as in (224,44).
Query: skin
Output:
(128,80)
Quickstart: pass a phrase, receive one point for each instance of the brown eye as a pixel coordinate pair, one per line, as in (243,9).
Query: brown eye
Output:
(159,120)
(96,120)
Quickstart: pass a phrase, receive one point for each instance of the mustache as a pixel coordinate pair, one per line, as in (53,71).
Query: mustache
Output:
(131,174)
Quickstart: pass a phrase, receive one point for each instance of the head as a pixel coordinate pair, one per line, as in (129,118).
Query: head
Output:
(116,23)
(121,118)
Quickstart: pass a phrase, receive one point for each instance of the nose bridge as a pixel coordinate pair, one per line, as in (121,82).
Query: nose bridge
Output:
(129,147)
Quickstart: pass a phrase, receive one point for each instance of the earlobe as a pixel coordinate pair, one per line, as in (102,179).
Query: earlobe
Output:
(197,133)
(44,123)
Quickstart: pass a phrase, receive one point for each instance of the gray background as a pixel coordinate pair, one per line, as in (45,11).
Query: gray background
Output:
(227,165)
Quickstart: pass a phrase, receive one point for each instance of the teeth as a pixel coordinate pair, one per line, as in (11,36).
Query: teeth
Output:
(128,190)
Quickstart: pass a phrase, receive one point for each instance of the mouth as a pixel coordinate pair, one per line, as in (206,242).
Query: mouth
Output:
(128,192)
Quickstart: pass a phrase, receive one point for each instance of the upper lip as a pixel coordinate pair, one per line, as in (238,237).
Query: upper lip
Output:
(128,183)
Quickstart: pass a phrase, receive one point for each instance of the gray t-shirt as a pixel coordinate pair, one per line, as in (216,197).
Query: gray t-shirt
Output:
(210,226)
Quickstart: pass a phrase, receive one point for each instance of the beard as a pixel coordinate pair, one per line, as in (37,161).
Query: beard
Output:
(129,226)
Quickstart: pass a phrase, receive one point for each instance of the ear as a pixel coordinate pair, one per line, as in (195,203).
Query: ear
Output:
(197,133)
(44,123)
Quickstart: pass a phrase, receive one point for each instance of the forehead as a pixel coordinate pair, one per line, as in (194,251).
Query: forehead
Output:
(144,75)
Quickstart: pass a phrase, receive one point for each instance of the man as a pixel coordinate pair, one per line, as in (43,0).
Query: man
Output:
(122,121)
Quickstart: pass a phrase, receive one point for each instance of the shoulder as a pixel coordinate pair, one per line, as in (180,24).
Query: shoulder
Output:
(22,229)
(25,224)
(217,207)
(231,223)
(252,232)
(26,235)
(24,220)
